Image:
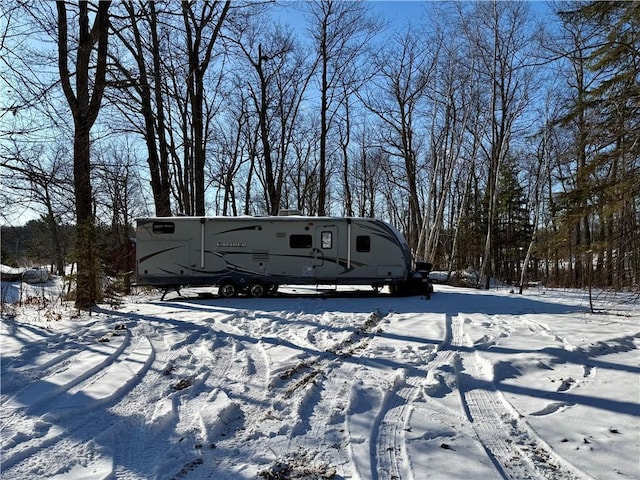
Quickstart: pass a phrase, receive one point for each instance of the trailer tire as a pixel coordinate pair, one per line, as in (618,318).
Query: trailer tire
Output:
(257,290)
(227,290)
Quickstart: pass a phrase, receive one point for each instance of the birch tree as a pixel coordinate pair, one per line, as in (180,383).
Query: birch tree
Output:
(451,103)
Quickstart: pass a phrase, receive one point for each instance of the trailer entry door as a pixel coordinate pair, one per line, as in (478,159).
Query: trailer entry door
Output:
(326,253)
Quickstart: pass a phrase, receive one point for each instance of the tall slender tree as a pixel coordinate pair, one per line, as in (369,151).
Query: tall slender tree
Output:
(616,138)
(138,32)
(501,37)
(202,31)
(404,74)
(340,31)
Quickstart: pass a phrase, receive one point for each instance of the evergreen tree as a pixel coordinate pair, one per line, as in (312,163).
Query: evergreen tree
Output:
(514,225)
(616,137)
(603,205)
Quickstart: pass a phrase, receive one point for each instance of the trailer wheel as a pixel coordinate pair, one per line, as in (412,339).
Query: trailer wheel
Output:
(257,290)
(227,290)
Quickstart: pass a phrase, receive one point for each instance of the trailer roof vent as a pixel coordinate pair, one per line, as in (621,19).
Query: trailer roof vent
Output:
(288,212)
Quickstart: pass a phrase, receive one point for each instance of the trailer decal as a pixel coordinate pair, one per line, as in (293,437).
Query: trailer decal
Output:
(240,229)
(151,255)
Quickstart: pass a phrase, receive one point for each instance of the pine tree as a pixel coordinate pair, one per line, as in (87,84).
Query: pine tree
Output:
(514,225)
(616,164)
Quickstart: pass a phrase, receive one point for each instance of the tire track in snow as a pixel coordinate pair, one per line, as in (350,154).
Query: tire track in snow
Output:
(173,375)
(391,457)
(93,378)
(228,367)
(217,367)
(172,343)
(392,460)
(515,449)
(106,385)
(195,409)
(187,358)
(55,376)
(325,361)
(314,389)
(388,452)
(80,367)
(318,388)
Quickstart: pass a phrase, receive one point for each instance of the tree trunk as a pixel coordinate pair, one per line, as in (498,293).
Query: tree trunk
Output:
(86,249)
(85,106)
(324,131)
(273,200)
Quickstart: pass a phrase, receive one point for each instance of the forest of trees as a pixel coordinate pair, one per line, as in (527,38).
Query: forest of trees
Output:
(500,136)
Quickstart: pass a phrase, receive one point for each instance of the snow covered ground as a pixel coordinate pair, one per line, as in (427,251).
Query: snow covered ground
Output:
(470,384)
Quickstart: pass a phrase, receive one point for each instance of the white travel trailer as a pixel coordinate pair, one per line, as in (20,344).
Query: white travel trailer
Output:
(254,255)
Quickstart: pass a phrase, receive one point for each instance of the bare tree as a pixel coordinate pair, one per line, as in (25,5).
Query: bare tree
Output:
(40,179)
(27,87)
(345,133)
(235,146)
(36,175)
(141,85)
(84,88)
(275,81)
(451,103)
(340,31)
(262,100)
(202,30)
(501,38)
(395,97)
(303,181)
(538,175)
(118,188)
(367,177)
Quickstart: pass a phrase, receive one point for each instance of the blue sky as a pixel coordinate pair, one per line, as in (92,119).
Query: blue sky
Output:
(398,13)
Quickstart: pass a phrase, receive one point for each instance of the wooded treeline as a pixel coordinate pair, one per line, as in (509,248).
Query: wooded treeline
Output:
(494,136)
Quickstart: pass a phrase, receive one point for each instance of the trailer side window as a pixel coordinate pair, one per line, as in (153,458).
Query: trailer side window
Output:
(164,227)
(300,241)
(363,243)
(327,240)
